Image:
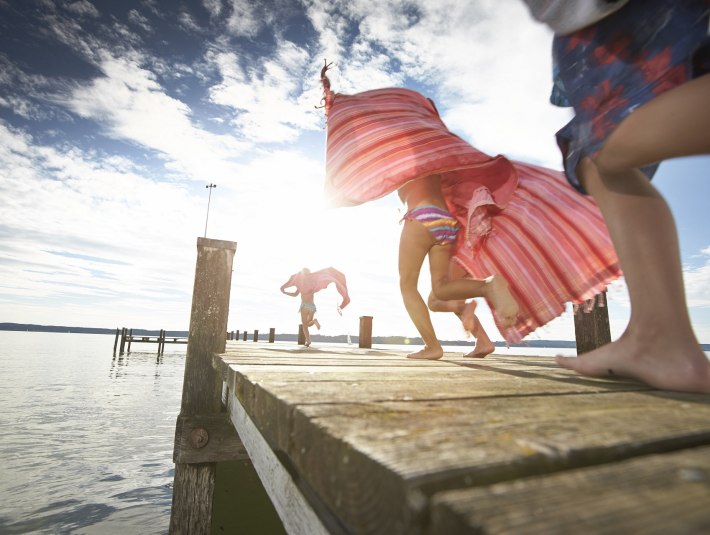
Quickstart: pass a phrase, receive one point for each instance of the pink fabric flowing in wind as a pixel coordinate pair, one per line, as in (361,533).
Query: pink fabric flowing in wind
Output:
(522,221)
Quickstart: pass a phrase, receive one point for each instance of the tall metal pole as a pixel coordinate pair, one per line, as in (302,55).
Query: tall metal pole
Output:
(209,186)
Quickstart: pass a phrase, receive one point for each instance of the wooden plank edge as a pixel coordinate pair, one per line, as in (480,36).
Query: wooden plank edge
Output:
(296,513)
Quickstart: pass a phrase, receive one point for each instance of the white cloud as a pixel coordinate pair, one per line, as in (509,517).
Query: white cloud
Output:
(139,20)
(82,7)
(213,7)
(268,99)
(246,19)
(130,105)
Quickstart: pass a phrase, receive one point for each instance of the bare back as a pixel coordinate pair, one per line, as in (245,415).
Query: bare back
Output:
(422,191)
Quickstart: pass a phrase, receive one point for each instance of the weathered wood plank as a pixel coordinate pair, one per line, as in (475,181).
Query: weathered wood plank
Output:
(292,507)
(207,438)
(657,494)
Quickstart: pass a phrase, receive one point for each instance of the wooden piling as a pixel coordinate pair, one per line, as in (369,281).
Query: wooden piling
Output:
(202,386)
(245,335)
(301,335)
(591,324)
(123,341)
(365,338)
(130,339)
(115,341)
(256,335)
(237,336)
(272,335)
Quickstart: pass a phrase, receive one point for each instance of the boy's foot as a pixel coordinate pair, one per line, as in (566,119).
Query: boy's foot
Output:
(315,322)
(660,364)
(427,354)
(501,300)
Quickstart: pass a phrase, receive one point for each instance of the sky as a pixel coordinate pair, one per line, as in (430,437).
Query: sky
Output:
(116,116)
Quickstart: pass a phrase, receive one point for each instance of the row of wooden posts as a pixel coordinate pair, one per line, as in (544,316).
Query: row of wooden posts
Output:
(364,339)
(126,337)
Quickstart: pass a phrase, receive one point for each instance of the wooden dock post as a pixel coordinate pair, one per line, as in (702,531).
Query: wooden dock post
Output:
(115,341)
(365,338)
(122,349)
(202,388)
(591,327)
(272,335)
(130,339)
(256,335)
(245,335)
(301,335)
(237,336)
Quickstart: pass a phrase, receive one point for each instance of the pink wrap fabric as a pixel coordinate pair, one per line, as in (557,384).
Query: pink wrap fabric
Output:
(521,221)
(318,280)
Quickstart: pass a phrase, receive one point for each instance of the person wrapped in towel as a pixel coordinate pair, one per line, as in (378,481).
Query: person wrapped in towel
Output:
(306,284)
(524,239)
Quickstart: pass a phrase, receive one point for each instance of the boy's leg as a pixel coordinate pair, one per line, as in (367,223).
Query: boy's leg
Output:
(415,242)
(674,124)
(658,346)
(305,322)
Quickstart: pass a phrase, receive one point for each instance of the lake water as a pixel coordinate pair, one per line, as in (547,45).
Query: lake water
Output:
(87,438)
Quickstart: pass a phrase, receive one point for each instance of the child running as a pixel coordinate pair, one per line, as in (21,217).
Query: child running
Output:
(524,239)
(307,284)
(638,82)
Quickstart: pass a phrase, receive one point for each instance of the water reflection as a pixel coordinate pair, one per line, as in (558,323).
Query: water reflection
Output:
(121,361)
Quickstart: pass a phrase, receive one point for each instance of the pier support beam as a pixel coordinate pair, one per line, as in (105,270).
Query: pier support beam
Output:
(202,386)
(272,335)
(591,324)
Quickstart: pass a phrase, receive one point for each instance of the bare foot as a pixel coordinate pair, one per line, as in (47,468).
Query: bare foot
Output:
(468,316)
(307,344)
(317,324)
(501,300)
(427,354)
(481,350)
(661,364)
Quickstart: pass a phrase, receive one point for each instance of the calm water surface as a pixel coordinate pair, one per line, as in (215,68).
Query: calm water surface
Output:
(87,439)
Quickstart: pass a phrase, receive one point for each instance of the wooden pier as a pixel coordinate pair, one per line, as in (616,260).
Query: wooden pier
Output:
(361,440)
(353,441)
(126,338)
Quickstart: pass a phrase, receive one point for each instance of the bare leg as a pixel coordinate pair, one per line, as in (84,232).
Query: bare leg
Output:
(494,288)
(306,321)
(415,242)
(484,346)
(659,346)
(466,312)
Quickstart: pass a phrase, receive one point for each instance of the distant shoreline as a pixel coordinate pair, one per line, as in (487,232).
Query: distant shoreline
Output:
(389,340)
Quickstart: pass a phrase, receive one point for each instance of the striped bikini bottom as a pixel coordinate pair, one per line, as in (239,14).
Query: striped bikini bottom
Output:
(439,222)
